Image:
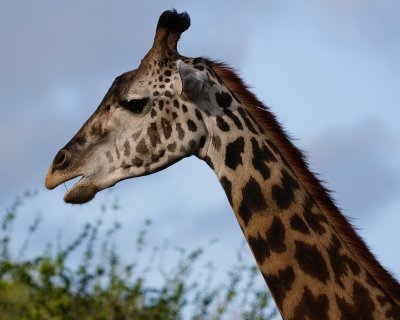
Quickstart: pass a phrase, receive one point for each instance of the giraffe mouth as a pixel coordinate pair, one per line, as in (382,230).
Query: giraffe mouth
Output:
(81,192)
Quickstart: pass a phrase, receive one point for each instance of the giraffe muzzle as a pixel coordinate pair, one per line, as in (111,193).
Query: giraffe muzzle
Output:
(64,169)
(60,171)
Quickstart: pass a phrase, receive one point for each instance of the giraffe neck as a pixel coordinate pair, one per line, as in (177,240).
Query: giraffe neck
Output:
(309,269)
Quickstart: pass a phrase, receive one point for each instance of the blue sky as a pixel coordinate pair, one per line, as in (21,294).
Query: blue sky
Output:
(329,70)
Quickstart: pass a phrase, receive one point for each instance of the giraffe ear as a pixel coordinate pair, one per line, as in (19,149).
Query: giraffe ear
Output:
(192,80)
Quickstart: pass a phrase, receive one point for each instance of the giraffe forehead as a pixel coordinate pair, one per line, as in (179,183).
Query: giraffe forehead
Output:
(121,85)
(156,80)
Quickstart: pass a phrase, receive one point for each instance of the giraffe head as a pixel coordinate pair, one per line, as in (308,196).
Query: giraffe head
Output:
(150,118)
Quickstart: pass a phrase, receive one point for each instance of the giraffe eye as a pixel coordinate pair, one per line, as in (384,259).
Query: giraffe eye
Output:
(134,105)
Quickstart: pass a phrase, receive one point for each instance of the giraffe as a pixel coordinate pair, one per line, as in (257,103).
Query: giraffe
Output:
(172,107)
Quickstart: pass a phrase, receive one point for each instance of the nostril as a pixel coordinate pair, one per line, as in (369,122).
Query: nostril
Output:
(61,159)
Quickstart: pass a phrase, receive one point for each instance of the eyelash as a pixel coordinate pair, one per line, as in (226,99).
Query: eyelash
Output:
(134,105)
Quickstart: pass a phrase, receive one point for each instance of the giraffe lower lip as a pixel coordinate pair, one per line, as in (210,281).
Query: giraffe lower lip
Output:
(81,192)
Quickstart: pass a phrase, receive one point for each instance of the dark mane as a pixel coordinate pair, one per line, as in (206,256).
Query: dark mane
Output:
(314,186)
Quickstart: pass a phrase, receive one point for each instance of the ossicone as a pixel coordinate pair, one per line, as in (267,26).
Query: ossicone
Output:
(170,26)
(175,22)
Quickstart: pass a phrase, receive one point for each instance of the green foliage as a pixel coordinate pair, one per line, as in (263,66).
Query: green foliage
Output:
(50,286)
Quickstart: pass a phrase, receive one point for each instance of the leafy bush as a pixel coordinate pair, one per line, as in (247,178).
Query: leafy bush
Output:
(52,287)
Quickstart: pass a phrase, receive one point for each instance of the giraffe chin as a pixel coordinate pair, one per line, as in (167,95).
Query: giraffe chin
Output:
(81,192)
